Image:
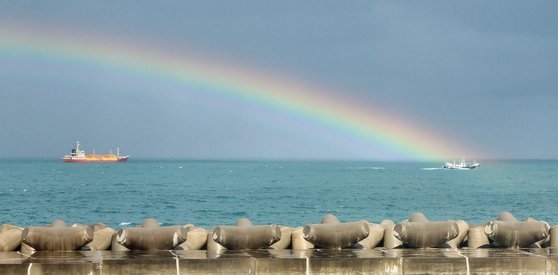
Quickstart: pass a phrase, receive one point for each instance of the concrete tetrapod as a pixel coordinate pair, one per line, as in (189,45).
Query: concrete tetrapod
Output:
(419,232)
(390,241)
(57,223)
(334,234)
(10,237)
(418,217)
(26,249)
(244,222)
(477,238)
(456,242)
(297,240)
(374,238)
(212,245)
(554,236)
(506,231)
(6,227)
(426,234)
(150,222)
(286,238)
(102,239)
(57,238)
(152,238)
(516,234)
(544,242)
(506,217)
(196,238)
(329,218)
(114,245)
(247,237)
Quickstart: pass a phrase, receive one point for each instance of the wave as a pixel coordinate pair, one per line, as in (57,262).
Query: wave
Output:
(366,167)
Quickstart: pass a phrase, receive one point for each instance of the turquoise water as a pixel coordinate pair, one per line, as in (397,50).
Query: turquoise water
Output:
(295,193)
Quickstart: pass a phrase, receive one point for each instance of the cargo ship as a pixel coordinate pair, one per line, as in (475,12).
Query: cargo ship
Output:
(78,155)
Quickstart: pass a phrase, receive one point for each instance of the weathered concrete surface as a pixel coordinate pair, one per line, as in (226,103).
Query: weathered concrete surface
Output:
(485,261)
(45,262)
(286,261)
(139,262)
(221,262)
(354,262)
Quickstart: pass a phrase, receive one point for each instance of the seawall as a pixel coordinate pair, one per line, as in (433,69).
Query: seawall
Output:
(286,261)
(414,246)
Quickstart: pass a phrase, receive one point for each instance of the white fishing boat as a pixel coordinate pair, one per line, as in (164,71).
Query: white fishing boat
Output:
(462,165)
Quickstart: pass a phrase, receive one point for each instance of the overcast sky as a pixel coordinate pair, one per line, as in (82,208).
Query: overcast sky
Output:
(481,72)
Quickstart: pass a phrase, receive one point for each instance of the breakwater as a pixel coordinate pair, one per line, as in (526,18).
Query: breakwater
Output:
(505,231)
(416,244)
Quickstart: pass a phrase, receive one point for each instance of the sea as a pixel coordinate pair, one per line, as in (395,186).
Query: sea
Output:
(290,193)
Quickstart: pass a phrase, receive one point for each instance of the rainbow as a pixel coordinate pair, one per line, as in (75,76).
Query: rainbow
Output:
(381,128)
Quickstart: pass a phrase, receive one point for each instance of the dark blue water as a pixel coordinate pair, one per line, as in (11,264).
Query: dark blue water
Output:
(295,193)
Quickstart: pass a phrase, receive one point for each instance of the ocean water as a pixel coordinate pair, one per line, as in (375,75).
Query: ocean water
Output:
(294,193)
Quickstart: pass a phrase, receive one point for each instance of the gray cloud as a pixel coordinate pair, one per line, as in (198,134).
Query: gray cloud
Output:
(482,71)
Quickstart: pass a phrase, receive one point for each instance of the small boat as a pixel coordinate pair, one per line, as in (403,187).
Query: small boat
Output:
(462,165)
(77,155)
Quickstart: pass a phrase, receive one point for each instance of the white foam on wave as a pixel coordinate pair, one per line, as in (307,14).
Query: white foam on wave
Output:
(125,223)
(366,168)
(429,169)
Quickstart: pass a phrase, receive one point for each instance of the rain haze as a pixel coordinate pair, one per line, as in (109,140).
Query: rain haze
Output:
(477,74)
